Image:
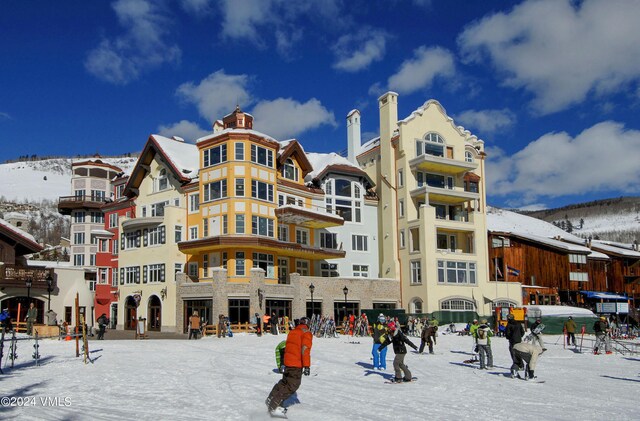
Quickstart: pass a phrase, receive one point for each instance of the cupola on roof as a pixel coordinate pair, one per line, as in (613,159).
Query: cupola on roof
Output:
(238,120)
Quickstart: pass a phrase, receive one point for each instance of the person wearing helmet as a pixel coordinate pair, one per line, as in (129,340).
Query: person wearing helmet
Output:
(601,328)
(379,335)
(297,361)
(398,339)
(513,333)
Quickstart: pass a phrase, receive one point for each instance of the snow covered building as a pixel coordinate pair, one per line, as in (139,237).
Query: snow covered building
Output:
(147,247)
(429,176)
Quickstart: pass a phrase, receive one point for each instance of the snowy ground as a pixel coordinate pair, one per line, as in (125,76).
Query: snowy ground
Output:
(229,379)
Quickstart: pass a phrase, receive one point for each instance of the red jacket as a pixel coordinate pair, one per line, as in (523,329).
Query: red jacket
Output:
(297,352)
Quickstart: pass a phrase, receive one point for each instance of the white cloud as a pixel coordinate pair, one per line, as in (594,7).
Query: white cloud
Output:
(187,130)
(258,20)
(560,51)
(603,158)
(217,94)
(487,121)
(357,51)
(284,118)
(420,71)
(141,47)
(4,116)
(196,7)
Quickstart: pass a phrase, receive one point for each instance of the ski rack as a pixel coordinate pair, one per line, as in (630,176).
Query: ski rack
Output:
(13,340)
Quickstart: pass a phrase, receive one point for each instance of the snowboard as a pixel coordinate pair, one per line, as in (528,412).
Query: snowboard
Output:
(393,381)
(529,380)
(279,414)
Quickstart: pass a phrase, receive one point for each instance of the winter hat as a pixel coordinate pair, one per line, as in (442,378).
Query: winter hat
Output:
(382,319)
(392,326)
(483,321)
(570,317)
(304,321)
(603,318)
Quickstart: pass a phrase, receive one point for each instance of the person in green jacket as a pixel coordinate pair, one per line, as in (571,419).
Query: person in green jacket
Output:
(570,330)
(472,331)
(280,356)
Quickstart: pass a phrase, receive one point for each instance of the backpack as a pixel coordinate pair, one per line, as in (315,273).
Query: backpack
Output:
(482,334)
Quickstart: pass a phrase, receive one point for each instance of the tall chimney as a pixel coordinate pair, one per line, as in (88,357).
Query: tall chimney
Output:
(354,140)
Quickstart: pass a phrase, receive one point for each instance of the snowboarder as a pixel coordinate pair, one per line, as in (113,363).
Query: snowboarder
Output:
(297,361)
(103,321)
(379,334)
(428,337)
(536,333)
(513,333)
(32,315)
(601,328)
(399,340)
(483,336)
(570,331)
(525,353)
(472,331)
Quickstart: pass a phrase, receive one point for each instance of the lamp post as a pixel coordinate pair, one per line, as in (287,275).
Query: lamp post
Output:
(311,289)
(345,291)
(49,280)
(28,283)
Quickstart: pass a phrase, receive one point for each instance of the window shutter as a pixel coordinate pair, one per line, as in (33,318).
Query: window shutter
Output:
(162,273)
(137,274)
(145,239)
(138,238)
(144,274)
(122,241)
(162,234)
(121,276)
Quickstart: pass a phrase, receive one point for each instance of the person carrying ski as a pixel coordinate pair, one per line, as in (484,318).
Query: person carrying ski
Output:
(297,361)
(398,339)
(483,336)
(103,321)
(280,356)
(379,334)
(570,331)
(513,333)
(427,337)
(524,352)
(601,328)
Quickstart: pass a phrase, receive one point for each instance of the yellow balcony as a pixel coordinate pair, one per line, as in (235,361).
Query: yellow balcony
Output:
(308,218)
(441,164)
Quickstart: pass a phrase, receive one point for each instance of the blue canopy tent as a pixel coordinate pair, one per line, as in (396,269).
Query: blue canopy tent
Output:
(597,295)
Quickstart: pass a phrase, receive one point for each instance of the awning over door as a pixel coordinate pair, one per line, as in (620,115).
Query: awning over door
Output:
(604,295)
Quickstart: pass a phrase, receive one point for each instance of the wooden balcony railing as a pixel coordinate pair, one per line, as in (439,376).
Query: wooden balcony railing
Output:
(16,276)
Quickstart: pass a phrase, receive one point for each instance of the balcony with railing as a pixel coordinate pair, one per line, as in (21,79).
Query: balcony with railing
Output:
(67,204)
(443,194)
(307,217)
(441,164)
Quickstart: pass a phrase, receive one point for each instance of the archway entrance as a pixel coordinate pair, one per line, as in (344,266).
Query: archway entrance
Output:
(12,305)
(154,320)
(130,310)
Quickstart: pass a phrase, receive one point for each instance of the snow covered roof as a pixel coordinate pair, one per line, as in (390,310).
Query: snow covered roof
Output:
(370,144)
(234,130)
(183,156)
(610,247)
(101,232)
(15,215)
(500,220)
(559,311)
(320,161)
(27,241)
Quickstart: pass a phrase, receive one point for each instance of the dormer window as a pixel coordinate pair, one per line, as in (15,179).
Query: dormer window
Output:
(289,170)
(163,180)
(468,156)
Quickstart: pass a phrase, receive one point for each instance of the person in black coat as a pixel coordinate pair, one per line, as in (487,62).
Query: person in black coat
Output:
(428,337)
(513,333)
(398,339)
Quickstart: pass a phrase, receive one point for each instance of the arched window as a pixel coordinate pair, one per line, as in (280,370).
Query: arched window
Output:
(502,303)
(163,181)
(433,144)
(468,156)
(416,306)
(289,170)
(344,197)
(457,304)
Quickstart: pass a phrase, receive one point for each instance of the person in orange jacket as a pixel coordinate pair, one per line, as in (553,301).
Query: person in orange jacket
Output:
(297,361)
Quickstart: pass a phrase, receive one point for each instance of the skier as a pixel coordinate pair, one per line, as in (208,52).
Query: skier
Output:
(601,328)
(570,331)
(483,336)
(399,340)
(280,356)
(379,334)
(297,361)
(513,333)
(525,353)
(428,337)
(103,321)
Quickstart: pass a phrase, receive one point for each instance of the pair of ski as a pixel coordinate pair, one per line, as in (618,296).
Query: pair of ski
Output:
(394,381)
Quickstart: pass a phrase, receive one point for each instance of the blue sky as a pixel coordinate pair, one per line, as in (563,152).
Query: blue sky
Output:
(551,86)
